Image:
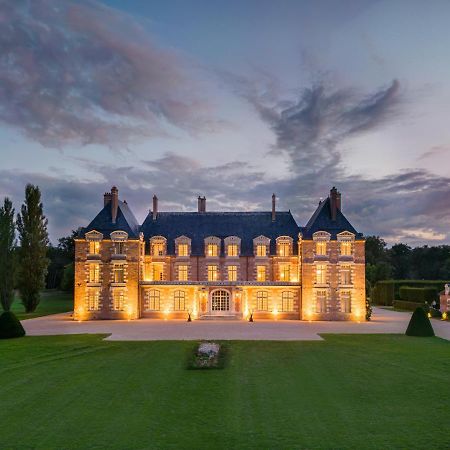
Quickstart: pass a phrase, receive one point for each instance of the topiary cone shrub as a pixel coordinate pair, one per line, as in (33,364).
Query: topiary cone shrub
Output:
(10,326)
(420,324)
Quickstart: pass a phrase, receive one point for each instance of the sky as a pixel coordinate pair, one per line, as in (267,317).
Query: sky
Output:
(232,100)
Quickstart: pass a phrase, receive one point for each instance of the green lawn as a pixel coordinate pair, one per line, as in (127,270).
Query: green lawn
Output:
(52,302)
(349,392)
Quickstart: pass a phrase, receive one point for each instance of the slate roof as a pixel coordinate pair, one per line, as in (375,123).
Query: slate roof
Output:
(321,221)
(103,221)
(198,226)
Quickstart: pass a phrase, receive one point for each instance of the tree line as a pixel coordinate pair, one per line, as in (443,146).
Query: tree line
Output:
(402,262)
(23,260)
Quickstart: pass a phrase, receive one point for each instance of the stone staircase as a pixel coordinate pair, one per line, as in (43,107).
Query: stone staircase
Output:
(220,317)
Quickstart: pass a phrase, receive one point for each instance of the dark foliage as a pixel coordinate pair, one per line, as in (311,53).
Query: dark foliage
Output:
(33,236)
(10,326)
(60,258)
(418,294)
(420,324)
(7,254)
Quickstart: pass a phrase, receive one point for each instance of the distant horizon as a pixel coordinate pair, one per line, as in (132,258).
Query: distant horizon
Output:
(235,101)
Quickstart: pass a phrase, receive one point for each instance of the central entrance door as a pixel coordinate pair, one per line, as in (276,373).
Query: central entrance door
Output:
(220,302)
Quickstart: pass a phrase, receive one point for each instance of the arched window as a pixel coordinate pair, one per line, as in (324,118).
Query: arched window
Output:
(262,301)
(179,301)
(153,300)
(287,301)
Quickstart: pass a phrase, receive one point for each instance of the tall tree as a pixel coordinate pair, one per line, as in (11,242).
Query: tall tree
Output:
(7,259)
(32,227)
(400,257)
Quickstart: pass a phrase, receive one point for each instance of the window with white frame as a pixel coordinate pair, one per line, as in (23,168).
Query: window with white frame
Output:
(287,301)
(118,300)
(261,273)
(321,274)
(285,272)
(179,301)
(153,300)
(212,250)
(262,301)
(346,301)
(345,248)
(119,248)
(119,273)
(284,248)
(183,250)
(94,247)
(212,273)
(321,248)
(321,301)
(182,273)
(93,300)
(261,250)
(232,250)
(94,273)
(232,273)
(345,275)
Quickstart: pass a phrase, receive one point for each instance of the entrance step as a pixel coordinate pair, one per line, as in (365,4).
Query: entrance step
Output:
(220,317)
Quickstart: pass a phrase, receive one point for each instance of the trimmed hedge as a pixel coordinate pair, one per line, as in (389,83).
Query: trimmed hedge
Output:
(402,304)
(417,294)
(10,326)
(420,324)
(385,292)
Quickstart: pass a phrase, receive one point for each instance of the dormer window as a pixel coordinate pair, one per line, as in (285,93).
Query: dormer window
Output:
(261,250)
(94,247)
(345,240)
(183,250)
(284,246)
(346,248)
(321,239)
(182,246)
(232,246)
(212,247)
(93,238)
(119,238)
(212,250)
(261,246)
(321,248)
(158,246)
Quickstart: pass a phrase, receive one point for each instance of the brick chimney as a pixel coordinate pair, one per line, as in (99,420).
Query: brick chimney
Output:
(114,203)
(106,198)
(274,199)
(155,207)
(201,204)
(335,202)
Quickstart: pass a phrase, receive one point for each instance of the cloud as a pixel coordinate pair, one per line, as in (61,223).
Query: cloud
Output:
(79,72)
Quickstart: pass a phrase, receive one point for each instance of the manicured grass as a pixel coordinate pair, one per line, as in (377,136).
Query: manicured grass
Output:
(349,392)
(52,302)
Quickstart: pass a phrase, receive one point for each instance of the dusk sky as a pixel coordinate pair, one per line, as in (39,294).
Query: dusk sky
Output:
(232,100)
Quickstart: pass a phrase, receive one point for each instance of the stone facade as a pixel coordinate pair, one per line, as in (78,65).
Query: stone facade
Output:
(122,273)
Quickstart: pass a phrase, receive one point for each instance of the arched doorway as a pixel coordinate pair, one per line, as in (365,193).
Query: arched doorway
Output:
(220,302)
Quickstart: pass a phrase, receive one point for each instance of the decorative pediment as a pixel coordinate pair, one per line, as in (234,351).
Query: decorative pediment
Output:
(212,240)
(119,236)
(321,236)
(261,240)
(158,239)
(345,236)
(182,240)
(93,236)
(284,239)
(232,240)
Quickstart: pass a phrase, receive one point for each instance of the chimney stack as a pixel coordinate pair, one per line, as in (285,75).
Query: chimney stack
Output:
(201,204)
(273,207)
(155,207)
(106,198)
(335,202)
(114,203)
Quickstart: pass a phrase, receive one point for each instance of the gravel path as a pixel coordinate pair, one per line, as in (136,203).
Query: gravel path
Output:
(384,321)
